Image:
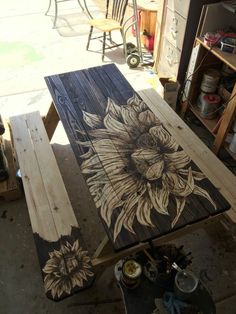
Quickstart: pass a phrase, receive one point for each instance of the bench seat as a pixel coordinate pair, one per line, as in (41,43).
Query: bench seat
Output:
(64,261)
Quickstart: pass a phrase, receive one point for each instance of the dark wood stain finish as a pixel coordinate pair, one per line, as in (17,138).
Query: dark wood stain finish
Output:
(88,91)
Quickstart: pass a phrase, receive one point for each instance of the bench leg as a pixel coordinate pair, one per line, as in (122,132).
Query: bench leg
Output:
(51,121)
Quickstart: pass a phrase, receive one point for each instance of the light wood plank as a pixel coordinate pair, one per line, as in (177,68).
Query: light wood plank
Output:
(60,206)
(39,208)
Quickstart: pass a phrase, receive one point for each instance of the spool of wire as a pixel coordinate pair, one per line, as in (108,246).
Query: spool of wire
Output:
(210,81)
(209,105)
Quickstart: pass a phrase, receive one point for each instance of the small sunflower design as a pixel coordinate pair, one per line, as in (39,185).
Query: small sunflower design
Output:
(67,268)
(134,166)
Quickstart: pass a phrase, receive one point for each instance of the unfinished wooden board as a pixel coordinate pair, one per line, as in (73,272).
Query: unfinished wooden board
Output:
(65,264)
(142,181)
(9,189)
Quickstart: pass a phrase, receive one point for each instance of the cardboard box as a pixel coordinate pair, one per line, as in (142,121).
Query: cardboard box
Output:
(168,89)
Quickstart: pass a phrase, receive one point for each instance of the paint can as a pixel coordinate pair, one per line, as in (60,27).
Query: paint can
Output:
(209,105)
(210,81)
(131,272)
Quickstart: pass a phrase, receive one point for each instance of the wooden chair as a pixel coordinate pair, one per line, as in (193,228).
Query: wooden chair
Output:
(114,16)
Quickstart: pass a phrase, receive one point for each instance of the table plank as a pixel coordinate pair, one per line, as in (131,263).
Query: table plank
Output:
(142,182)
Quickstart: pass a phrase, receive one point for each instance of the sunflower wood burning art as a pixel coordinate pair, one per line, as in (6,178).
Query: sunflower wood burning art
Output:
(141,180)
(64,261)
(66,265)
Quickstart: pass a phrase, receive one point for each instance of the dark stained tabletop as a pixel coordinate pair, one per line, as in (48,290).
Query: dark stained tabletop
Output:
(143,184)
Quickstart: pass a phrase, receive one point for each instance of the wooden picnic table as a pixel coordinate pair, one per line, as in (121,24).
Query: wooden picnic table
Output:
(150,177)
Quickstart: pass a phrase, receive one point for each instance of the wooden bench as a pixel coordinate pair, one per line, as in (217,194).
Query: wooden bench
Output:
(64,261)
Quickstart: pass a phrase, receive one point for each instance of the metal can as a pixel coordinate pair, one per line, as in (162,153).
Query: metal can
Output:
(209,106)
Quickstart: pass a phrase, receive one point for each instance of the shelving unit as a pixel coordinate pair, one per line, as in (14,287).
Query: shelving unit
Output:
(212,57)
(227,58)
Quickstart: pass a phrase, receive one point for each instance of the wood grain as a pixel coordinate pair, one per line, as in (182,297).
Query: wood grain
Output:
(59,243)
(112,145)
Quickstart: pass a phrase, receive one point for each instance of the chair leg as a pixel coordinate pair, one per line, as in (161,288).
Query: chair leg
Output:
(49,6)
(89,37)
(55,17)
(104,45)
(110,37)
(82,8)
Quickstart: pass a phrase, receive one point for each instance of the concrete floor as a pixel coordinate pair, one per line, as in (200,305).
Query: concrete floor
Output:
(41,51)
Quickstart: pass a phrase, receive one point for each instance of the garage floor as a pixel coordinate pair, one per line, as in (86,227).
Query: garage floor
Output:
(29,50)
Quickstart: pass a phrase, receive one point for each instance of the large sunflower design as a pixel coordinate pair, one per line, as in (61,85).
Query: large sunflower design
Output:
(66,269)
(134,166)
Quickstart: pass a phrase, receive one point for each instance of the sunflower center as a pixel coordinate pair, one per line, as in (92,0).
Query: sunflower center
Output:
(149,163)
(146,140)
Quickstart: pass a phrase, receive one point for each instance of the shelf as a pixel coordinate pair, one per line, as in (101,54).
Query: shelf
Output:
(233,155)
(208,123)
(227,58)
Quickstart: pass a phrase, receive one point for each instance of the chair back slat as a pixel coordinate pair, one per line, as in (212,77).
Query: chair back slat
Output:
(118,9)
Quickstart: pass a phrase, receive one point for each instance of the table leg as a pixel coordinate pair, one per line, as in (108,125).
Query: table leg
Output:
(104,249)
(51,120)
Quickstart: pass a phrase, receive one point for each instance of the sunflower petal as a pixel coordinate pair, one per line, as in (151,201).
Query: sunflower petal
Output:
(143,213)
(176,160)
(199,191)
(154,172)
(196,174)
(148,118)
(180,203)
(177,185)
(99,177)
(48,281)
(113,125)
(109,134)
(113,108)
(120,222)
(130,116)
(92,120)
(137,103)
(126,216)
(88,154)
(91,165)
(109,203)
(159,198)
(75,246)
